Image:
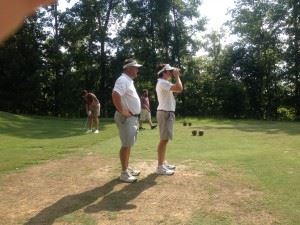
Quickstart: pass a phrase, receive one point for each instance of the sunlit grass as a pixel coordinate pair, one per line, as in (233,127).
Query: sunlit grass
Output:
(30,140)
(268,153)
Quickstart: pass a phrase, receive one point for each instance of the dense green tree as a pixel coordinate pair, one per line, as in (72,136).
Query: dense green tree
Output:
(20,63)
(44,67)
(160,32)
(291,20)
(259,55)
(88,46)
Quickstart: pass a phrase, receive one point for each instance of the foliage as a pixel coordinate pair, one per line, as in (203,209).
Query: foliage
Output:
(285,113)
(57,54)
(20,61)
(258,56)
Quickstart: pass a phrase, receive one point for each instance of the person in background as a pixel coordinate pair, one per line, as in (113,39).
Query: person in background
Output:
(14,12)
(145,112)
(92,107)
(166,112)
(128,108)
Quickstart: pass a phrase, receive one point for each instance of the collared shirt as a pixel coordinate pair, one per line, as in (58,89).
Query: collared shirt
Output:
(166,100)
(130,100)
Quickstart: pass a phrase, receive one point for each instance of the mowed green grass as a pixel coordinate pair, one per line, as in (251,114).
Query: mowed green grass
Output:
(29,140)
(267,152)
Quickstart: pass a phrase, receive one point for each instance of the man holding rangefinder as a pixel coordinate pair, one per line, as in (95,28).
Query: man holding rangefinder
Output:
(166,112)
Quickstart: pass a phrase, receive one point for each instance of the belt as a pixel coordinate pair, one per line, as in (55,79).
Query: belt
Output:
(165,111)
(135,115)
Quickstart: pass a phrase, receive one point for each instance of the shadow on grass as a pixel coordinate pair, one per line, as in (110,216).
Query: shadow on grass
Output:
(43,127)
(118,200)
(114,201)
(268,127)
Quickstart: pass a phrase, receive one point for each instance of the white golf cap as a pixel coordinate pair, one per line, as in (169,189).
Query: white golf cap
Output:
(131,63)
(166,67)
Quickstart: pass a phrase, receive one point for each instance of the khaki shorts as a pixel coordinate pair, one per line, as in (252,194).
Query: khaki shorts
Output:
(145,115)
(128,129)
(95,110)
(165,122)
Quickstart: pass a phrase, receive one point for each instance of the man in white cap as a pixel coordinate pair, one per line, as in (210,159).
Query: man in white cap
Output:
(166,112)
(128,108)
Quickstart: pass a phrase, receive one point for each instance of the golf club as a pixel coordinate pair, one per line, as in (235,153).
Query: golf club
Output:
(85,123)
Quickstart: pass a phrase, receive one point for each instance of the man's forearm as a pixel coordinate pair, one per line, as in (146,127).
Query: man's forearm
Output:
(117,101)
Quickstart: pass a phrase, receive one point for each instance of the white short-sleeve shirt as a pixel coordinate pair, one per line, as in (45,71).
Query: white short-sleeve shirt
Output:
(166,100)
(130,100)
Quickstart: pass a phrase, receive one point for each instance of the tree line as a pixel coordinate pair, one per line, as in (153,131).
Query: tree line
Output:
(56,54)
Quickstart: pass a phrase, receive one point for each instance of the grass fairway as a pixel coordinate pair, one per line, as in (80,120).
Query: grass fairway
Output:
(265,155)
(29,140)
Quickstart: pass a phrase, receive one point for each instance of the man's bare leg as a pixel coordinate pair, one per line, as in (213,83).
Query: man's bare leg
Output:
(124,157)
(161,151)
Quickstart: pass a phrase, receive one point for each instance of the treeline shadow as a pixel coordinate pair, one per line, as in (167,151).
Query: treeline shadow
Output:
(112,201)
(268,127)
(44,127)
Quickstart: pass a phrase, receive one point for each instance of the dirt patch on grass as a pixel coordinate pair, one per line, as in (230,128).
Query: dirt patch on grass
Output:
(85,190)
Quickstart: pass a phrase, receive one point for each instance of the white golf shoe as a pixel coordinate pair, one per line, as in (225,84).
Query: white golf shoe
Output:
(169,166)
(163,170)
(127,177)
(133,172)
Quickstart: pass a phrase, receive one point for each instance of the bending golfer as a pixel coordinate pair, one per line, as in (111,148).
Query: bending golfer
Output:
(128,106)
(166,113)
(92,107)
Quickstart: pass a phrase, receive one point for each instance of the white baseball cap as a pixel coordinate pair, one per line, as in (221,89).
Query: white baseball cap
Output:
(166,67)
